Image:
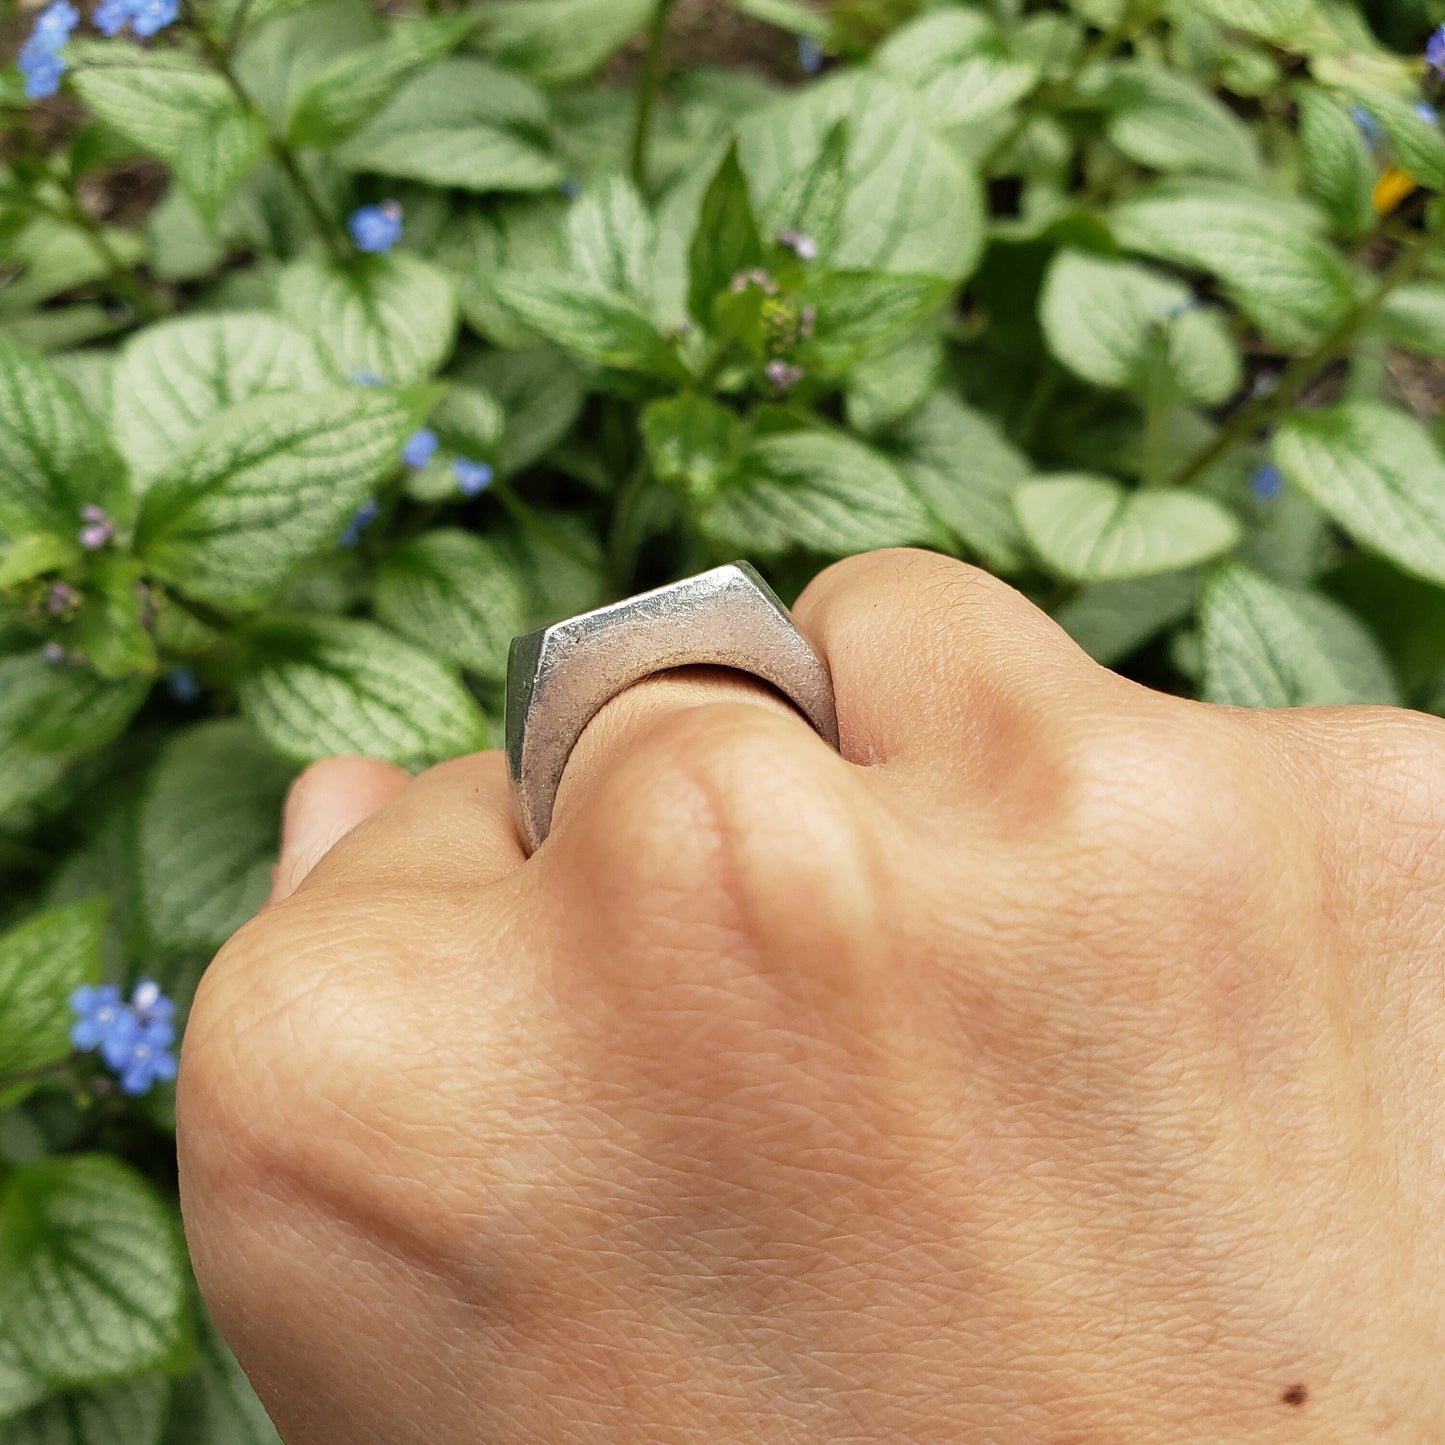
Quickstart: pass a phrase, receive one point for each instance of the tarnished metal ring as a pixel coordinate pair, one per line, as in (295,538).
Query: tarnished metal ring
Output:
(559,677)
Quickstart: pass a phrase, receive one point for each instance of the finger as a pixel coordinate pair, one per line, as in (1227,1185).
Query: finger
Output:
(325,803)
(449,828)
(935,662)
(626,720)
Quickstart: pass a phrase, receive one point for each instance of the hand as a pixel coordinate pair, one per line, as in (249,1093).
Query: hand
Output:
(1064,1062)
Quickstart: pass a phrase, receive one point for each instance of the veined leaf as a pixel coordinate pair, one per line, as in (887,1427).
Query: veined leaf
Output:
(856,312)
(1170,122)
(215,1404)
(130,1413)
(1414,317)
(558,41)
(690,439)
(726,240)
(1338,168)
(610,236)
(1280,20)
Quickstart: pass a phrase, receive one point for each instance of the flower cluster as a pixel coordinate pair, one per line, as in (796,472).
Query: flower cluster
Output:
(376,229)
(144,17)
(133,1038)
(98,528)
(40,60)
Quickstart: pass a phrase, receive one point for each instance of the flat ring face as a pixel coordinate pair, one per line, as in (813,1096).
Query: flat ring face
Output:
(559,677)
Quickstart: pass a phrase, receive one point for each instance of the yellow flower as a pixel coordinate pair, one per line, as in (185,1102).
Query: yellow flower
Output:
(1393,187)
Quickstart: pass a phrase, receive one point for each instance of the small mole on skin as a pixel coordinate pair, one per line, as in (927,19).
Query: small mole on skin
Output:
(1295,1395)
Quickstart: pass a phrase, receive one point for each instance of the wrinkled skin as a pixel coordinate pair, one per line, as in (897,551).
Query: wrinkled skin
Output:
(1063,1063)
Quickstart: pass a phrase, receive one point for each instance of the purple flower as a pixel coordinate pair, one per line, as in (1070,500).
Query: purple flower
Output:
(783,374)
(111,17)
(1435,52)
(42,69)
(376,229)
(756,276)
(807,320)
(364,517)
(1266,481)
(182,685)
(805,248)
(148,17)
(98,528)
(472,477)
(810,55)
(61,598)
(98,1013)
(420,448)
(54,653)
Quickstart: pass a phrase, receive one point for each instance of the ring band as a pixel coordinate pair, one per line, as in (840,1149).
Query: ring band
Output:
(559,677)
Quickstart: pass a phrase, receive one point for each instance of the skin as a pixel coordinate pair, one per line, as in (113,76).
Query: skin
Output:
(1060,1064)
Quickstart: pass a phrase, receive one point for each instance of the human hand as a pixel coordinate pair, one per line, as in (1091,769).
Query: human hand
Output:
(1061,1063)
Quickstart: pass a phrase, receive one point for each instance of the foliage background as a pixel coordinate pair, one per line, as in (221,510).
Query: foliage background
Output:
(1138,303)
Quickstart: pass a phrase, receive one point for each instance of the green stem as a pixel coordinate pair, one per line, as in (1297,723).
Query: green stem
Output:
(1263,411)
(321,220)
(123,277)
(539,526)
(1158,401)
(624,537)
(648,84)
(56,1067)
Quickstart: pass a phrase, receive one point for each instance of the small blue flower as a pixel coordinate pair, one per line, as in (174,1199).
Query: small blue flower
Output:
(420,448)
(810,55)
(1435,52)
(149,17)
(42,69)
(376,228)
(138,1050)
(182,684)
(1368,126)
(54,24)
(1266,481)
(1427,113)
(367,378)
(111,17)
(149,1004)
(99,1012)
(472,477)
(365,516)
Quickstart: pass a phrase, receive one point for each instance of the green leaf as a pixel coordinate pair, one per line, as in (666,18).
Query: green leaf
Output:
(1262,248)
(393,316)
(172,105)
(206,831)
(455,594)
(54,458)
(1419,144)
(461,123)
(690,439)
(912,203)
(263,486)
(1270,646)
(1339,171)
(559,41)
(1089,529)
(471,421)
(1110,620)
(1378,473)
(559,583)
(1170,122)
(343,95)
(231,17)
(598,325)
(726,240)
(19,1387)
(610,236)
(894,381)
(215,1405)
(42,962)
(961,64)
(111,630)
(92,1275)
(1110,321)
(858,312)
(68,710)
(315,687)
(818,490)
(541,394)
(175,376)
(31,555)
(1414,317)
(1280,20)
(959,461)
(130,1413)
(810,202)
(25,777)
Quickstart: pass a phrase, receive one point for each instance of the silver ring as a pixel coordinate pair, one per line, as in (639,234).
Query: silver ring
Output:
(559,677)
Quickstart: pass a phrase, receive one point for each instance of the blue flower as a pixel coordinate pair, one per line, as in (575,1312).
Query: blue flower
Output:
(365,516)
(138,1050)
(54,24)
(376,228)
(1266,481)
(149,1004)
(420,448)
(810,55)
(367,378)
(42,69)
(99,1012)
(472,477)
(1427,113)
(1435,52)
(181,682)
(148,17)
(111,16)
(1367,125)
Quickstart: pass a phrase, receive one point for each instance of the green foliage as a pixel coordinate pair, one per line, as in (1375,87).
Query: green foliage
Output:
(1138,304)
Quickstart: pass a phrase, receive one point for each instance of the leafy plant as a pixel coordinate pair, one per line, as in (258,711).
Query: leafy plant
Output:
(448,324)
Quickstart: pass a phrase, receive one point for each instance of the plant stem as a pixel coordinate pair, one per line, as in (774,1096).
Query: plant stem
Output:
(648,84)
(532,521)
(330,233)
(1261,412)
(40,1071)
(123,277)
(624,537)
